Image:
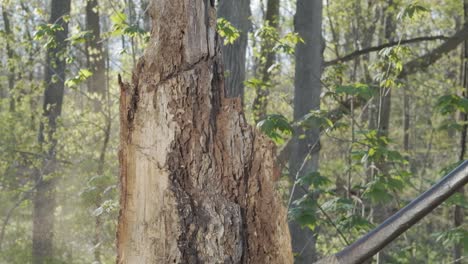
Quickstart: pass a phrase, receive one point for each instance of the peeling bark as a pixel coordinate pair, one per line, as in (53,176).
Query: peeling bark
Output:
(197,182)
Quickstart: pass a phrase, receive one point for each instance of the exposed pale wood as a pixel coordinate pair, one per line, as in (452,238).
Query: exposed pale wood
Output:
(197,182)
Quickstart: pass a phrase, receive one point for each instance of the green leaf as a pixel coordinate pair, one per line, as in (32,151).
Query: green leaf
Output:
(358,89)
(355,222)
(80,37)
(314,179)
(276,127)
(304,211)
(338,204)
(83,75)
(411,10)
(316,119)
(133,31)
(450,237)
(377,191)
(118,18)
(226,30)
(451,103)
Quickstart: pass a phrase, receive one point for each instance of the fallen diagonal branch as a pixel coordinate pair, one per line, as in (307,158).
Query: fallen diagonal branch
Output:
(397,224)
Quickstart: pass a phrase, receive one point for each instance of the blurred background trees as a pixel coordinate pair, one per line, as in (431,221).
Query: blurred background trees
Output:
(374,90)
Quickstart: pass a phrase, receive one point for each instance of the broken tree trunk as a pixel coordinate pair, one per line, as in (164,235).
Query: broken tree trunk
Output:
(197,182)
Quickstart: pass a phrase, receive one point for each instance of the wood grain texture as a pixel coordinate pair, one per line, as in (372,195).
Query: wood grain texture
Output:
(197,182)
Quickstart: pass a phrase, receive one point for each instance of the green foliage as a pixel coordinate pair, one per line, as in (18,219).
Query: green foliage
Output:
(121,27)
(80,37)
(449,104)
(276,127)
(314,180)
(304,211)
(47,32)
(450,237)
(363,166)
(412,10)
(315,118)
(255,83)
(273,42)
(373,147)
(358,89)
(83,75)
(287,44)
(227,31)
(355,223)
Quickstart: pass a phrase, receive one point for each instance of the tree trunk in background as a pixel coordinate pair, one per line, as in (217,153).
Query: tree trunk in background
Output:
(146,17)
(260,102)
(197,182)
(95,55)
(10,64)
(458,215)
(406,117)
(308,23)
(238,13)
(44,199)
(382,211)
(97,84)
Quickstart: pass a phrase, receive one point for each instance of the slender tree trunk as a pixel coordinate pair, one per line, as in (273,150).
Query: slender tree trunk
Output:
(406,118)
(308,23)
(10,58)
(132,21)
(97,84)
(260,102)
(197,182)
(44,199)
(238,13)
(146,17)
(458,217)
(96,60)
(382,211)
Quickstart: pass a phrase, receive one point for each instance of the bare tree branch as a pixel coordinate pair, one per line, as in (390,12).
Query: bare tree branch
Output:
(409,68)
(430,58)
(358,53)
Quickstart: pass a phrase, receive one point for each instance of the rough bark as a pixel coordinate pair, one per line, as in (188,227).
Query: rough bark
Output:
(307,90)
(44,199)
(94,52)
(197,182)
(267,54)
(238,13)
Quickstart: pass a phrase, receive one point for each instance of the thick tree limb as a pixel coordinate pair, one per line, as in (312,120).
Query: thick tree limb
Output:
(358,53)
(381,236)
